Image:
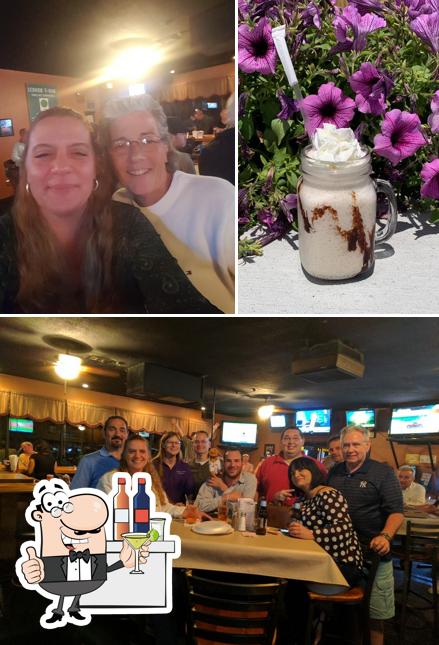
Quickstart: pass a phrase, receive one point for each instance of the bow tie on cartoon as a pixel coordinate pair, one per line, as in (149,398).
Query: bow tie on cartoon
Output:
(79,555)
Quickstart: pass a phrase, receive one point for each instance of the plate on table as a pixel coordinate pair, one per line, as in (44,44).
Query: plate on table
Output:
(215,527)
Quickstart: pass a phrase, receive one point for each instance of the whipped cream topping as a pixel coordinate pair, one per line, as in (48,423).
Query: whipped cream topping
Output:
(335,144)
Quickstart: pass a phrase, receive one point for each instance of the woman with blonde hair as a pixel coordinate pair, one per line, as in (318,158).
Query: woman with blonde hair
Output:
(68,248)
(136,458)
(175,474)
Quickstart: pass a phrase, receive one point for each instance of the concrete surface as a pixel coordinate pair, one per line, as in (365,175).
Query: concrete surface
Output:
(404,281)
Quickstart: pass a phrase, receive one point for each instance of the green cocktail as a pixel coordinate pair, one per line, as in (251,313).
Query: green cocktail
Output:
(136,540)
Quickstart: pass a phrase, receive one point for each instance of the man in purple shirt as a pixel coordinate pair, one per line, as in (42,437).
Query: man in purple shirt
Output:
(175,473)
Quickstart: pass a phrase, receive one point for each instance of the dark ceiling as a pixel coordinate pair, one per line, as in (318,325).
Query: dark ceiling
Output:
(245,358)
(76,37)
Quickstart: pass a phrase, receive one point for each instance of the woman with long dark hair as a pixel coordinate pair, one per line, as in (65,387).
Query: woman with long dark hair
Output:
(68,249)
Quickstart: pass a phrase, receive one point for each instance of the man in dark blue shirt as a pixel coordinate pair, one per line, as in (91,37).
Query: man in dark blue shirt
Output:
(94,465)
(374,498)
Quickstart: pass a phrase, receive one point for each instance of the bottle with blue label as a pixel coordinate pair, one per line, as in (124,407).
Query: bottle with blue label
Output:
(141,509)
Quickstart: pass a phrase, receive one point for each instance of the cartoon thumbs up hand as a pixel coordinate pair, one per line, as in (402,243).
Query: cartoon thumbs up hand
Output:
(33,569)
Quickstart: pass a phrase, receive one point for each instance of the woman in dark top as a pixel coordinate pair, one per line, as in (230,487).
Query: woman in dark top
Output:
(42,463)
(325,518)
(175,474)
(68,249)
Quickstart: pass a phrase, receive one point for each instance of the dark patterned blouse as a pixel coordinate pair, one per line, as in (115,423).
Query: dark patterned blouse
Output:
(146,278)
(326,514)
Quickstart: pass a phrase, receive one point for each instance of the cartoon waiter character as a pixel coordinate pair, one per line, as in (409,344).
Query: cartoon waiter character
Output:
(68,557)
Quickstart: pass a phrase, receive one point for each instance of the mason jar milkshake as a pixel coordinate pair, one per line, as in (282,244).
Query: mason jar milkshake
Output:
(337,206)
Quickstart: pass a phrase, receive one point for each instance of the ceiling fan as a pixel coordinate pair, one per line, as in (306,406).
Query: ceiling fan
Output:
(76,358)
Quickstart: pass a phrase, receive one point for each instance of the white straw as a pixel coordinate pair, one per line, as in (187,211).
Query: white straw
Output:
(280,43)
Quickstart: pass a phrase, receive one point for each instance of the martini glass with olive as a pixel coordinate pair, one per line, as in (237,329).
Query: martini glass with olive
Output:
(136,540)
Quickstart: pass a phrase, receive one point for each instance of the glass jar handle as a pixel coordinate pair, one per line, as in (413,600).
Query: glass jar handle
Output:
(387,231)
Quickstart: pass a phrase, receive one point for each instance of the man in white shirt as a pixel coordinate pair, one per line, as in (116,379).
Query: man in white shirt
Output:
(413,494)
(234,483)
(18,149)
(194,216)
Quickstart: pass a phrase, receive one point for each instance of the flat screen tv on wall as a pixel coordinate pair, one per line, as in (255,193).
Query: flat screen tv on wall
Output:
(6,128)
(314,420)
(416,420)
(239,433)
(362,417)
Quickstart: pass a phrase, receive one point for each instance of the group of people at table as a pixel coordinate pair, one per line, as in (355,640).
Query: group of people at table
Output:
(162,242)
(355,506)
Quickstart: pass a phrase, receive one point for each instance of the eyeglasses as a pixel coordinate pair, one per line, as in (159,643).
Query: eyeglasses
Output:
(122,146)
(173,443)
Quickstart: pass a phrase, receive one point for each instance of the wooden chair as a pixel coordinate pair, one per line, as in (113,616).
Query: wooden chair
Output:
(221,610)
(421,545)
(358,596)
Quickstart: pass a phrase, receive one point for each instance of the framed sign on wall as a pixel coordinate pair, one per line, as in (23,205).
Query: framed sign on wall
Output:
(40,98)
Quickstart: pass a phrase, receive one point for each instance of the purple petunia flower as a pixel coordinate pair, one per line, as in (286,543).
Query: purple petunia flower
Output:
(371,87)
(426,26)
(266,217)
(430,175)
(418,7)
(288,106)
(352,21)
(364,6)
(400,136)
(433,119)
(243,207)
(329,105)
(256,50)
(311,16)
(287,204)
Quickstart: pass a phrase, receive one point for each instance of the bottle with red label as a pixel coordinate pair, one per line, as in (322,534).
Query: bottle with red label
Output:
(121,511)
(141,509)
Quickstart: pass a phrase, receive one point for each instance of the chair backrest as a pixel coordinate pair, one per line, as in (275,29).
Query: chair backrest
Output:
(232,608)
(422,540)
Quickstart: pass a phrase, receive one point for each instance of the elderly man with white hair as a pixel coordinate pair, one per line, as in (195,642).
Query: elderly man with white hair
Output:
(375,505)
(194,216)
(218,158)
(413,494)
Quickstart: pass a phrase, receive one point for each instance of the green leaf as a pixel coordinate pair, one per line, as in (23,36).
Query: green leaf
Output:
(280,128)
(247,128)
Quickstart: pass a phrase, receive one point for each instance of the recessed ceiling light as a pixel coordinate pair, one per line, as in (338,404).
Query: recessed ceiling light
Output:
(85,385)
(172,71)
(81,428)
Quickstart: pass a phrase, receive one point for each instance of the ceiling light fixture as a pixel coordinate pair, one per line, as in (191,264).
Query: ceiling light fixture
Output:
(81,427)
(85,385)
(68,367)
(265,412)
(172,71)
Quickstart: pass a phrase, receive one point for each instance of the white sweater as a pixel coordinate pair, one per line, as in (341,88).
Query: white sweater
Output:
(196,221)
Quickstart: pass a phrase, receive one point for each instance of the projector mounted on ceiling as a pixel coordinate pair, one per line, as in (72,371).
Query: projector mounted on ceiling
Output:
(331,361)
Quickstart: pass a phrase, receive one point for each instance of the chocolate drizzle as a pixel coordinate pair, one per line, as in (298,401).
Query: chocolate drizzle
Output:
(303,212)
(355,236)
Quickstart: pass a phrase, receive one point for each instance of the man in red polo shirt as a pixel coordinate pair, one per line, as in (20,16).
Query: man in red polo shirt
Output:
(272,475)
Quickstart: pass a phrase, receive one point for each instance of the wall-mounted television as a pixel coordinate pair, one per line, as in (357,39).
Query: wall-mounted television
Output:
(278,421)
(314,420)
(362,417)
(21,425)
(6,128)
(239,433)
(420,419)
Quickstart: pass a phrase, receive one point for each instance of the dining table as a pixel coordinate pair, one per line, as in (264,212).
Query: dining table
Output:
(6,477)
(274,554)
(419,517)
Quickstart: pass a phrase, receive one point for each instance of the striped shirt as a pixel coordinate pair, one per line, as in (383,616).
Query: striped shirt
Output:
(372,493)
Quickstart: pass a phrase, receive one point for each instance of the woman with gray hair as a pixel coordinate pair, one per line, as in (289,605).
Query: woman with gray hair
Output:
(193,215)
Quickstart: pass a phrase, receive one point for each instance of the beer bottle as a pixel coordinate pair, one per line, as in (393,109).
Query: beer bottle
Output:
(261,518)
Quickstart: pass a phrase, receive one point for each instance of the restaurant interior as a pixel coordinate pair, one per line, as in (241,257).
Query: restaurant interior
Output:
(79,55)
(214,374)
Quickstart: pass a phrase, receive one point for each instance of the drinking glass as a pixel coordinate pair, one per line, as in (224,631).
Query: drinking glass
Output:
(191,510)
(135,540)
(222,508)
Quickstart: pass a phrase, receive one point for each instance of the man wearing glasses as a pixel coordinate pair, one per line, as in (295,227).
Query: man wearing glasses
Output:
(374,498)
(193,215)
